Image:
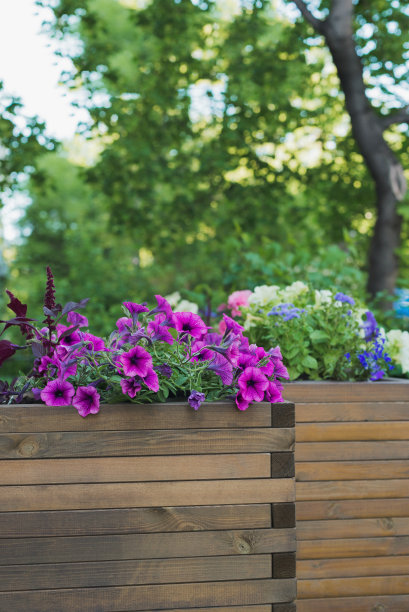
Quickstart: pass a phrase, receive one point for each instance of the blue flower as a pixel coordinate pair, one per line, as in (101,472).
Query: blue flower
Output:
(346,299)
(286,311)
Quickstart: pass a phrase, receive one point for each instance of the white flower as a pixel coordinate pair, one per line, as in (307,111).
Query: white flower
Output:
(265,294)
(322,297)
(173,298)
(292,292)
(397,346)
(186,306)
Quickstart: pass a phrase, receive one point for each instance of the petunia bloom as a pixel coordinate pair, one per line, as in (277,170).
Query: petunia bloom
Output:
(151,380)
(86,400)
(252,384)
(191,324)
(196,398)
(130,386)
(58,392)
(237,299)
(136,362)
(159,333)
(135,309)
(75,318)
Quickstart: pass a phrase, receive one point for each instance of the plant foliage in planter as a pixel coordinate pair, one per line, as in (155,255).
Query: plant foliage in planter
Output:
(153,354)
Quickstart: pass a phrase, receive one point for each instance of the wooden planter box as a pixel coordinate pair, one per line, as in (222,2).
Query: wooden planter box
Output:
(352,491)
(147,508)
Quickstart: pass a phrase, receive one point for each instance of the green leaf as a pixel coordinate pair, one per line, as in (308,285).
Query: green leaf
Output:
(318,336)
(310,362)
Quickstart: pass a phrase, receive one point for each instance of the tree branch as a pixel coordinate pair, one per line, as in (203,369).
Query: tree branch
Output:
(317,24)
(401,116)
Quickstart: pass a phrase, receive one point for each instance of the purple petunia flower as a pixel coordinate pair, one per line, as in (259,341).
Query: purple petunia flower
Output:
(191,324)
(196,398)
(135,309)
(130,386)
(86,401)
(159,333)
(165,370)
(165,308)
(232,325)
(252,384)
(346,299)
(136,362)
(151,380)
(58,392)
(241,403)
(75,318)
(124,324)
(223,368)
(94,343)
(370,326)
(69,339)
(273,393)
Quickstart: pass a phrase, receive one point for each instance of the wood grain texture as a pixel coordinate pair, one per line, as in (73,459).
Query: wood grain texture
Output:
(143,443)
(352,411)
(343,392)
(122,599)
(353,528)
(339,432)
(136,520)
(344,568)
(16,551)
(149,571)
(349,587)
(353,547)
(131,417)
(140,494)
(352,489)
(344,509)
(136,469)
(352,470)
(378,603)
(266,608)
(351,451)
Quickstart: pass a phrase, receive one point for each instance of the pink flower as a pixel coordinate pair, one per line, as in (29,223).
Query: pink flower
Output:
(273,394)
(159,332)
(94,343)
(75,318)
(136,362)
(124,324)
(241,403)
(237,299)
(252,384)
(135,309)
(58,392)
(190,323)
(86,400)
(130,386)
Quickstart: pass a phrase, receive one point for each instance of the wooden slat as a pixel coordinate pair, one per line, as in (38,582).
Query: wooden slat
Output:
(348,587)
(146,546)
(351,411)
(135,520)
(355,547)
(343,568)
(150,597)
(352,489)
(143,495)
(266,608)
(377,603)
(135,469)
(351,451)
(173,415)
(339,432)
(344,509)
(351,470)
(323,391)
(121,573)
(352,528)
(148,442)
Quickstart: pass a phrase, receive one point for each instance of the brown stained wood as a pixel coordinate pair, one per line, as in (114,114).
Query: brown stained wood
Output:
(140,494)
(284,565)
(355,547)
(121,573)
(16,551)
(150,597)
(324,392)
(283,415)
(351,489)
(343,432)
(353,587)
(378,603)
(148,442)
(282,465)
(283,515)
(344,509)
(135,520)
(284,607)
(353,528)
(344,568)
(132,469)
(266,608)
(351,451)
(172,415)
(351,470)
(351,411)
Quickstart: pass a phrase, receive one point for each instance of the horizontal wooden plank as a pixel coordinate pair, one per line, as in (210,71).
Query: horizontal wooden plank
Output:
(135,520)
(352,411)
(343,568)
(377,603)
(152,597)
(121,573)
(351,489)
(323,391)
(343,432)
(135,469)
(352,470)
(145,494)
(266,608)
(148,442)
(16,551)
(354,547)
(344,509)
(172,415)
(353,587)
(353,528)
(351,451)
